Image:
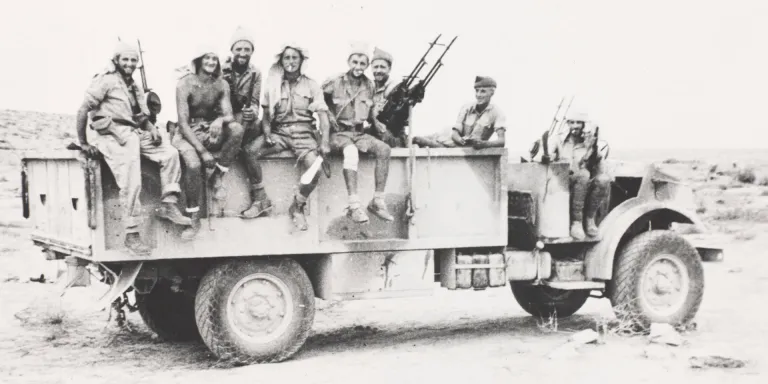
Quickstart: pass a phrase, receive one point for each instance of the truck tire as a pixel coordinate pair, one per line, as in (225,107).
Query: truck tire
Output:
(169,314)
(658,277)
(544,301)
(255,311)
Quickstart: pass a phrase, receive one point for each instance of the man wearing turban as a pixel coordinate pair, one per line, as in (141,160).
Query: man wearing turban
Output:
(349,97)
(244,81)
(381,65)
(290,100)
(119,114)
(206,125)
(588,183)
(476,122)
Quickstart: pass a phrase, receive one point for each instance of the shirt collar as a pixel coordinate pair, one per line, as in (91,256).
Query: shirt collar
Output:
(474,108)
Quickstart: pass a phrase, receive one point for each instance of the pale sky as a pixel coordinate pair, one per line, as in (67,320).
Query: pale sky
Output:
(675,73)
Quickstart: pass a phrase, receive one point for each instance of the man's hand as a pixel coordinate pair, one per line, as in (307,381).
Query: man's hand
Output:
(214,131)
(89,150)
(325,148)
(458,139)
(154,134)
(208,160)
(268,140)
(479,144)
(249,114)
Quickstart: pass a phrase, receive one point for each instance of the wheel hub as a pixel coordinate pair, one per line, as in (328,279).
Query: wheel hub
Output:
(259,308)
(664,284)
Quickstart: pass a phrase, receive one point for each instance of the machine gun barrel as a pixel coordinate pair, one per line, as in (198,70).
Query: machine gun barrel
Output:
(422,62)
(141,69)
(438,64)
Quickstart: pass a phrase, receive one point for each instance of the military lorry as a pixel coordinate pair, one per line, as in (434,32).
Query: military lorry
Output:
(464,219)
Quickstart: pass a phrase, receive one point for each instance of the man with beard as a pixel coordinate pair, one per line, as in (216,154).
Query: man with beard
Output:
(244,82)
(206,124)
(475,124)
(119,115)
(381,64)
(350,100)
(588,183)
(290,99)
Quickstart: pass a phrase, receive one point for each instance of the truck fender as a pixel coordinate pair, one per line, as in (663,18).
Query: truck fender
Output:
(599,258)
(128,274)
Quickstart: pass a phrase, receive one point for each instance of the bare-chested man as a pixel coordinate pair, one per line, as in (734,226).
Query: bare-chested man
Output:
(206,124)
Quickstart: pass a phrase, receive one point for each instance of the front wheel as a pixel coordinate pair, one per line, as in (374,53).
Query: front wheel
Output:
(658,277)
(544,301)
(255,311)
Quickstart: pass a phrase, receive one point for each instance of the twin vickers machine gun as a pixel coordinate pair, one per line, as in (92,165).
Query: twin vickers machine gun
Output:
(409,92)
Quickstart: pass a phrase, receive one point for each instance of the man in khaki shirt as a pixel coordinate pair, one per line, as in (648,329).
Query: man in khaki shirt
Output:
(381,65)
(349,97)
(475,124)
(120,117)
(588,183)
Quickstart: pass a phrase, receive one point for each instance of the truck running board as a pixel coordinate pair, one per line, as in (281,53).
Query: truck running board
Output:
(575,285)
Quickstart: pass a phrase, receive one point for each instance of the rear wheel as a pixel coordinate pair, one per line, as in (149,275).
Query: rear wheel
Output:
(169,314)
(658,277)
(255,311)
(544,301)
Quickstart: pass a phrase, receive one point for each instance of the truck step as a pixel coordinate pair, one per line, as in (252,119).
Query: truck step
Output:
(575,285)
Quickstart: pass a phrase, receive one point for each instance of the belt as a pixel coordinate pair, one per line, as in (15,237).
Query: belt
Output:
(119,121)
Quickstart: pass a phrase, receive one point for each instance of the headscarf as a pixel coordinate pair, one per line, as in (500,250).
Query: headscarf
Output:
(276,72)
(200,51)
(120,48)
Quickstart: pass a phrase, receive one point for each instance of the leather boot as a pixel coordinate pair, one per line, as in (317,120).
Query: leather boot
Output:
(378,207)
(260,206)
(296,211)
(190,232)
(578,194)
(595,199)
(135,246)
(171,212)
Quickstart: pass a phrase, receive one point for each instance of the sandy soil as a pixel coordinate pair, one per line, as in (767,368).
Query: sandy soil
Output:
(460,337)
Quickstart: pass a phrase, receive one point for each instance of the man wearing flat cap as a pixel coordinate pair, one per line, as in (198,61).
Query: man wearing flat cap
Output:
(206,126)
(244,81)
(381,65)
(119,115)
(476,122)
(349,97)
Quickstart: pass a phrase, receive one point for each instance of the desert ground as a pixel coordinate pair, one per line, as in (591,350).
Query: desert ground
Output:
(452,336)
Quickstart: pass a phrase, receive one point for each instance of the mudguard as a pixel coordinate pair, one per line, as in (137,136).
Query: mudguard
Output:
(128,275)
(599,258)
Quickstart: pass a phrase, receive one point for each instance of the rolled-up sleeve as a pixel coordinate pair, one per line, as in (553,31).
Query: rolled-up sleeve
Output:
(318,98)
(500,122)
(459,125)
(97,91)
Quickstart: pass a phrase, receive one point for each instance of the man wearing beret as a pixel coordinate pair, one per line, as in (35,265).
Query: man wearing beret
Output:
(244,80)
(475,124)
(381,65)
(119,115)
(349,97)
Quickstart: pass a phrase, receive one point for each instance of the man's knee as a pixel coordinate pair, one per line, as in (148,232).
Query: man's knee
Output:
(602,180)
(580,176)
(351,157)
(191,160)
(236,130)
(381,150)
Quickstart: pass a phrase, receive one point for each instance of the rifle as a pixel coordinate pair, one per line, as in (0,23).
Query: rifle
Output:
(544,141)
(590,157)
(153,100)
(405,95)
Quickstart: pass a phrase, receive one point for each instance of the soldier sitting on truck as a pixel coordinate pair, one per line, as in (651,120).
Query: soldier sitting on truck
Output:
(244,81)
(588,183)
(206,124)
(475,124)
(119,115)
(381,64)
(349,97)
(290,99)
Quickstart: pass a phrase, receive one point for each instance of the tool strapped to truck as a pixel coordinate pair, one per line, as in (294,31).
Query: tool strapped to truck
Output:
(395,112)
